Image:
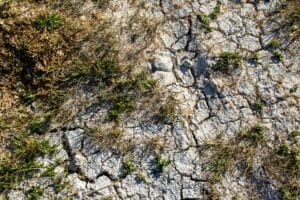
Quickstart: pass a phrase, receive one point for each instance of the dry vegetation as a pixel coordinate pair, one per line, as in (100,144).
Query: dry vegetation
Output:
(49,48)
(252,149)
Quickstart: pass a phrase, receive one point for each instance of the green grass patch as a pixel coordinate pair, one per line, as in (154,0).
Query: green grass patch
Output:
(283,165)
(228,61)
(120,105)
(255,134)
(224,156)
(129,167)
(258,105)
(125,93)
(168,110)
(27,97)
(50,22)
(291,14)
(106,70)
(50,171)
(39,125)
(34,193)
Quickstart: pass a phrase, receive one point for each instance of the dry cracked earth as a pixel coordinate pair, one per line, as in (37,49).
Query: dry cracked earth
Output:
(174,159)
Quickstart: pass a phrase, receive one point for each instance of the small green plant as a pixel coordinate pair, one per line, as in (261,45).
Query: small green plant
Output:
(50,171)
(228,61)
(258,105)
(295,133)
(140,84)
(142,177)
(133,38)
(58,184)
(292,156)
(120,105)
(255,57)
(294,89)
(50,22)
(161,163)
(27,97)
(273,44)
(255,134)
(39,124)
(216,12)
(278,55)
(144,84)
(204,20)
(34,193)
(129,167)
(289,193)
(283,150)
(105,70)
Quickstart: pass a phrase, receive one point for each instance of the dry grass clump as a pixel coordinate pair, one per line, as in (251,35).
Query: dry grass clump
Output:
(111,137)
(286,22)
(48,48)
(237,151)
(249,149)
(291,15)
(21,163)
(53,46)
(283,166)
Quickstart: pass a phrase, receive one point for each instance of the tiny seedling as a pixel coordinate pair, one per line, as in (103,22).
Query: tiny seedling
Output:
(273,44)
(255,57)
(258,105)
(278,55)
(204,20)
(255,134)
(294,89)
(129,167)
(133,38)
(161,163)
(142,177)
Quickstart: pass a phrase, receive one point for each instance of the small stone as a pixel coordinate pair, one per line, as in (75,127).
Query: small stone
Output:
(74,139)
(163,62)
